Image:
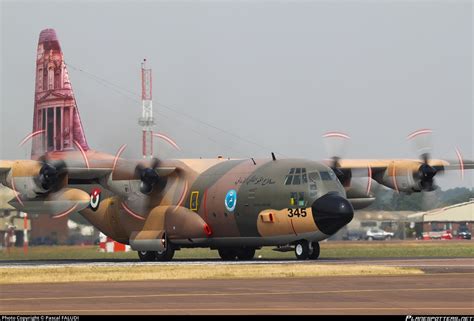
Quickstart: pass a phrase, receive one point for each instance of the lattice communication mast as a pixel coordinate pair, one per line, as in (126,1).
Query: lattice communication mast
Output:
(147,121)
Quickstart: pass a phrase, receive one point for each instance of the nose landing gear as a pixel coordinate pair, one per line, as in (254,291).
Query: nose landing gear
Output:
(305,250)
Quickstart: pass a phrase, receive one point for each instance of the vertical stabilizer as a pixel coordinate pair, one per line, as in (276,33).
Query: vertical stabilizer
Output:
(56,118)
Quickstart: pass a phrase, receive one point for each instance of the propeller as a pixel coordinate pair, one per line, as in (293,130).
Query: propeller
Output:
(148,176)
(422,141)
(335,145)
(51,174)
(426,173)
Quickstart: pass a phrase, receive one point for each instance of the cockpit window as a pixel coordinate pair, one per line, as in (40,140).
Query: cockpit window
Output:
(305,179)
(313,188)
(325,176)
(297,180)
(296,176)
(313,177)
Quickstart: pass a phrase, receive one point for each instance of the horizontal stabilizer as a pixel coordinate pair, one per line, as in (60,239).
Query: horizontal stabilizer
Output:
(66,201)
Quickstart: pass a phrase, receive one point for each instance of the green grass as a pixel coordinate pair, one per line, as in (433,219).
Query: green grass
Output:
(348,249)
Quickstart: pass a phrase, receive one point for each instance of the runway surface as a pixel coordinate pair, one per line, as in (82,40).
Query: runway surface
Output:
(446,288)
(448,293)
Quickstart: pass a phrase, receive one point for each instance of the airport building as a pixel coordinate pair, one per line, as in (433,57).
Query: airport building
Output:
(456,220)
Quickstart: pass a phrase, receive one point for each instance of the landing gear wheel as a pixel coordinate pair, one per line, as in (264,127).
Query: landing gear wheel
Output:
(147,256)
(370,238)
(245,254)
(302,250)
(165,255)
(227,254)
(314,255)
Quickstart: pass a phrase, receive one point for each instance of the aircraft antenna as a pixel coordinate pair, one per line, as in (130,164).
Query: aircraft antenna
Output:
(146,121)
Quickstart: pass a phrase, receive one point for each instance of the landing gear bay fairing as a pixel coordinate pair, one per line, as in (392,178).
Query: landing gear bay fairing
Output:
(159,206)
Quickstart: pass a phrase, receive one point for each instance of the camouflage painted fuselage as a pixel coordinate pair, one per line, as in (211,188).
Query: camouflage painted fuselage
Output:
(214,203)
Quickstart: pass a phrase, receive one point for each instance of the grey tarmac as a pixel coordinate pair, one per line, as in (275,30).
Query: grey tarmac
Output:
(447,287)
(446,293)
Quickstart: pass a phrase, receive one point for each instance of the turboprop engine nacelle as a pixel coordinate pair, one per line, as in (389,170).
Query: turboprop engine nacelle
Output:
(30,178)
(405,176)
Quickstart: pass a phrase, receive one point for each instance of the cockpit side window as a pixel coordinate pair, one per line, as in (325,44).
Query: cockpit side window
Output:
(313,187)
(313,177)
(325,176)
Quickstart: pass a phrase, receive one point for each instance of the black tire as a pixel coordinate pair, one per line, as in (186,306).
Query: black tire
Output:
(166,255)
(302,250)
(147,256)
(227,254)
(314,255)
(245,253)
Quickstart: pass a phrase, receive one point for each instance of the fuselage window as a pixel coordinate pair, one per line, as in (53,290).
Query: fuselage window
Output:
(288,179)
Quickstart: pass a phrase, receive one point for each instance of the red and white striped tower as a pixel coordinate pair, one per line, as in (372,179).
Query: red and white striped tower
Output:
(146,121)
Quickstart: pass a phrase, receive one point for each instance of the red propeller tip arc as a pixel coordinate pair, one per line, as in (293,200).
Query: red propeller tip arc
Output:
(461,162)
(419,132)
(336,134)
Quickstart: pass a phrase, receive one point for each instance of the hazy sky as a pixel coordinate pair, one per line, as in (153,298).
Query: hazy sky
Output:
(279,74)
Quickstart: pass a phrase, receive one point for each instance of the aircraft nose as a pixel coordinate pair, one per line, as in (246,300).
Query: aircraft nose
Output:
(331,212)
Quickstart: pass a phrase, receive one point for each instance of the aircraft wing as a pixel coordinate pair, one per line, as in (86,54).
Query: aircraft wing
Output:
(383,164)
(87,173)
(407,175)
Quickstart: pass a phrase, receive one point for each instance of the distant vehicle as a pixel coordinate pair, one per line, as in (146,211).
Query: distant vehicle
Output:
(353,236)
(438,235)
(464,233)
(43,240)
(378,234)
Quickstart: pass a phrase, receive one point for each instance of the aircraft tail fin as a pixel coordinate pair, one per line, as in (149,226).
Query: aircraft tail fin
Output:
(56,122)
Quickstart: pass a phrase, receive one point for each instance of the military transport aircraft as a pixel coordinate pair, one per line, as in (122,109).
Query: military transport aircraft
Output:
(159,206)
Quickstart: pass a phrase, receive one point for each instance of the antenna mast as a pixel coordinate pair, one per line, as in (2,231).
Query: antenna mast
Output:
(146,121)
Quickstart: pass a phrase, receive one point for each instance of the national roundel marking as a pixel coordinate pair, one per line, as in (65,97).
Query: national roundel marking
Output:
(231,200)
(95,199)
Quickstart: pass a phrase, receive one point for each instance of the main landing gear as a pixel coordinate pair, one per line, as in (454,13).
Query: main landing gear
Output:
(305,250)
(163,256)
(231,254)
